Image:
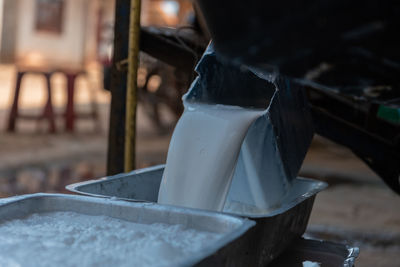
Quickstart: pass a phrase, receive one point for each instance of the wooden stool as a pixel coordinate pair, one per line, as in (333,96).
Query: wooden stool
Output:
(70,114)
(47,113)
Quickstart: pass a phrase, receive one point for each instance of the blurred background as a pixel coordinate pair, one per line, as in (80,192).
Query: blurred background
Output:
(64,47)
(64,39)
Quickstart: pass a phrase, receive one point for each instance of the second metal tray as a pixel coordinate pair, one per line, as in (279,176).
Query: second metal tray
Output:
(327,254)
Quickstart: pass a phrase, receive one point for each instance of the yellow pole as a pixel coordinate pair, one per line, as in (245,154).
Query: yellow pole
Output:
(131,92)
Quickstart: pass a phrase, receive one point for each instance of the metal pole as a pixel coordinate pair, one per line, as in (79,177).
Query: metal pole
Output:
(116,137)
(131,93)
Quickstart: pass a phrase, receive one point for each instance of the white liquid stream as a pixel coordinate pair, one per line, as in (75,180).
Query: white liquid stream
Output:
(73,239)
(202,155)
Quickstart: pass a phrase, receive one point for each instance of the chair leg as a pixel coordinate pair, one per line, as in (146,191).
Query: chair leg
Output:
(70,112)
(14,108)
(48,110)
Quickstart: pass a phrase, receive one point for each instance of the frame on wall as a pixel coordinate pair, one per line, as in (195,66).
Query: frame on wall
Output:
(49,16)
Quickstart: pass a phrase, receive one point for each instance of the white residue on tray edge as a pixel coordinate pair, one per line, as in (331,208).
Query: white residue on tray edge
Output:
(311,264)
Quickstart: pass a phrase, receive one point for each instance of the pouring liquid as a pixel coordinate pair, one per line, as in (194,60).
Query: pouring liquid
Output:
(202,155)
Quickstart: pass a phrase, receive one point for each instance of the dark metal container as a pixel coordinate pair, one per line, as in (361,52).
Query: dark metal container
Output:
(274,231)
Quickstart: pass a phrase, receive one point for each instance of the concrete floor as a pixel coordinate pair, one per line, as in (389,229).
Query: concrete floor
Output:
(357,208)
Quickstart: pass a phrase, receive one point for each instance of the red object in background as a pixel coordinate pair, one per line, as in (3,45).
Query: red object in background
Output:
(48,112)
(70,111)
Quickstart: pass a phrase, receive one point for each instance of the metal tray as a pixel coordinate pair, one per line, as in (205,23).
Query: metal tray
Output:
(227,251)
(328,254)
(275,229)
